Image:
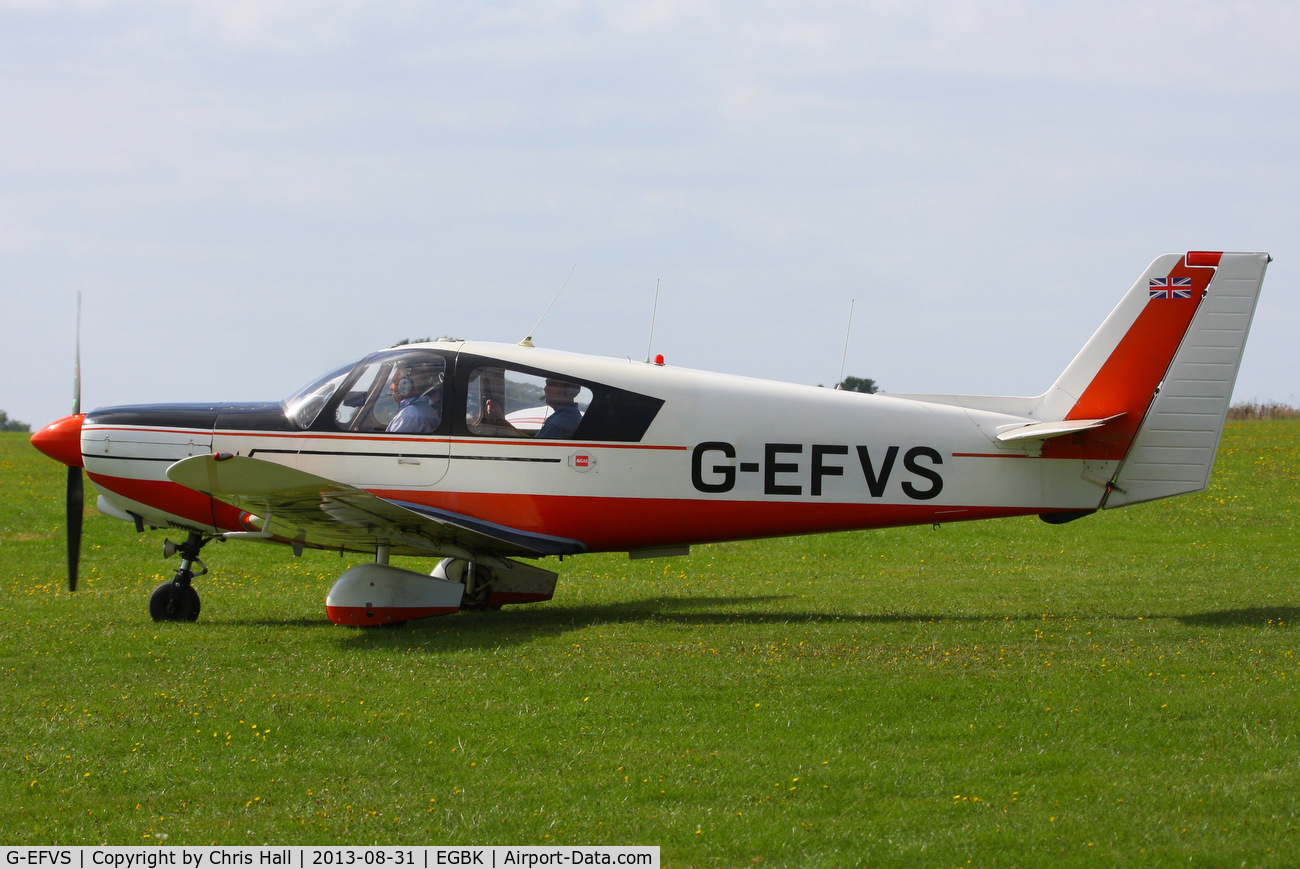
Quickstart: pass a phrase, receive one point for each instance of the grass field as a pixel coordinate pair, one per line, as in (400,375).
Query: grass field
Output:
(1120,690)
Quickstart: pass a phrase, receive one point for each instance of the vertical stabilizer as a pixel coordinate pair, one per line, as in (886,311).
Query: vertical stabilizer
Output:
(1174,448)
(1117,373)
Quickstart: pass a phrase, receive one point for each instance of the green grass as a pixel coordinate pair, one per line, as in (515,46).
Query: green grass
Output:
(1119,690)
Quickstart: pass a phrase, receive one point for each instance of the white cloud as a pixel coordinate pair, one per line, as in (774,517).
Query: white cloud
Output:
(270,173)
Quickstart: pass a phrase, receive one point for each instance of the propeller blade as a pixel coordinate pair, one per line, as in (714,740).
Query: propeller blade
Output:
(76,368)
(76,505)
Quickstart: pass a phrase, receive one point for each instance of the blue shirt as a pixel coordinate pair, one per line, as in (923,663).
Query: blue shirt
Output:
(415,416)
(562,423)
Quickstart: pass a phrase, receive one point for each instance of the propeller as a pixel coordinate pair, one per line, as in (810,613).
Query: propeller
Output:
(76,505)
(76,494)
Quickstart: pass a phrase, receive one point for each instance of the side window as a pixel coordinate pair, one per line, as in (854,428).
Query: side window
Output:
(503,402)
(397,391)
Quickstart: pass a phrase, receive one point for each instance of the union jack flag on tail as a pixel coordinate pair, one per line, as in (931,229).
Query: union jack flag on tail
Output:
(1171,288)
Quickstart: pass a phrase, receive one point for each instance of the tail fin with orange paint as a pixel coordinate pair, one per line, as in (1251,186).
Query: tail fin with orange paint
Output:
(1151,388)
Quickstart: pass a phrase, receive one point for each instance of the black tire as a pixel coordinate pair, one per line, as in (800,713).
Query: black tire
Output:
(187,609)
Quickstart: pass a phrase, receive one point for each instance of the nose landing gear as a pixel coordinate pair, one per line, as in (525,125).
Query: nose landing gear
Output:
(176,600)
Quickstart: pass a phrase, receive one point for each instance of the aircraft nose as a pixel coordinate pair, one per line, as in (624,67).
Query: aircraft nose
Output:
(61,440)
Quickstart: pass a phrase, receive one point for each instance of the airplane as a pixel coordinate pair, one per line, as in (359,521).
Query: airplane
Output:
(412,451)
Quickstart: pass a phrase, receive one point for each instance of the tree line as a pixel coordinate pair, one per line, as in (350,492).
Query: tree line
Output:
(7,424)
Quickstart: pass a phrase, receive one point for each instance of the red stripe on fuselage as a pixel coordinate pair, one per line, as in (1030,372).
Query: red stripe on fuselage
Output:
(380,437)
(616,524)
(603,524)
(175,499)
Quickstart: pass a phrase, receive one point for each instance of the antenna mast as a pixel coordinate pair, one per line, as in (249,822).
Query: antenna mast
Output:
(839,384)
(654,312)
(528,341)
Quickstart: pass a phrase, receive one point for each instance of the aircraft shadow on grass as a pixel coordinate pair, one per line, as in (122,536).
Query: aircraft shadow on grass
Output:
(1263,616)
(515,626)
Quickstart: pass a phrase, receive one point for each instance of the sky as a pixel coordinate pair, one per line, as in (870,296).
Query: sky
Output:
(248,194)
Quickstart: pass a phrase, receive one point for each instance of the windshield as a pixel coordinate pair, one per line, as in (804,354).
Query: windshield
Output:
(304,405)
(393,390)
(396,391)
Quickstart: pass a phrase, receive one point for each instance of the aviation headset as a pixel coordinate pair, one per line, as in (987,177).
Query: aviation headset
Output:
(406,384)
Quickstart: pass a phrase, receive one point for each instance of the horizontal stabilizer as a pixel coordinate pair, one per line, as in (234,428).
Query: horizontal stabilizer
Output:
(1045,430)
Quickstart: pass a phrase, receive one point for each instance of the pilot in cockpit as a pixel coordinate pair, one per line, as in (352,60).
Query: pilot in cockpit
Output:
(418,391)
(565,414)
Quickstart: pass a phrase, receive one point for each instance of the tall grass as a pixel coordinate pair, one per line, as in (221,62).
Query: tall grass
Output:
(1121,689)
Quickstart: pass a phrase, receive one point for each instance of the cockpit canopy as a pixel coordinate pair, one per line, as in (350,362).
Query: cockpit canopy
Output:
(419,390)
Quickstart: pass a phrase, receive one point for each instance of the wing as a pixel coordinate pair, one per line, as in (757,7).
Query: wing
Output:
(321,513)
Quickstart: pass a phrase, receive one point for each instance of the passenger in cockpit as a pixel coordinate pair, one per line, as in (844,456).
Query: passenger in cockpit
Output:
(565,415)
(418,392)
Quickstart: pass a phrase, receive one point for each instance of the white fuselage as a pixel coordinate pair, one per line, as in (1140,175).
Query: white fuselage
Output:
(724,457)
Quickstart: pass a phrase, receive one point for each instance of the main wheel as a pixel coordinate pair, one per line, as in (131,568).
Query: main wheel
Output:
(187,608)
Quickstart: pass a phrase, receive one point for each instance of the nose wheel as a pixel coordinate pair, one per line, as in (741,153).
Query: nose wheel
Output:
(176,600)
(168,604)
